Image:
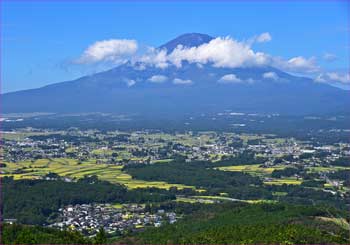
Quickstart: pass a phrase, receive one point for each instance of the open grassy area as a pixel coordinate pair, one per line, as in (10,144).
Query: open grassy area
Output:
(327,169)
(287,181)
(102,152)
(22,135)
(192,200)
(254,169)
(163,160)
(246,137)
(212,199)
(338,221)
(73,169)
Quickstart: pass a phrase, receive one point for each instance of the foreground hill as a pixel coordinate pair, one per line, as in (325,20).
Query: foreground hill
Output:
(228,223)
(135,89)
(234,223)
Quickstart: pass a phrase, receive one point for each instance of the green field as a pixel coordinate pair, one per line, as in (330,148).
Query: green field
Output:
(193,200)
(254,169)
(19,136)
(326,169)
(72,169)
(213,199)
(338,221)
(287,181)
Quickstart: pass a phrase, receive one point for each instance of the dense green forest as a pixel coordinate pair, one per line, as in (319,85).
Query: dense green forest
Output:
(24,234)
(203,174)
(342,161)
(195,174)
(238,223)
(239,185)
(38,201)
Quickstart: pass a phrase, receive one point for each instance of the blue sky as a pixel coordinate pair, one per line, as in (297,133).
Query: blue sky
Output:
(41,39)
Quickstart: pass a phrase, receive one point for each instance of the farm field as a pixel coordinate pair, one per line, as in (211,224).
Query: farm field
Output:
(73,169)
(213,199)
(287,181)
(254,169)
(19,136)
(327,169)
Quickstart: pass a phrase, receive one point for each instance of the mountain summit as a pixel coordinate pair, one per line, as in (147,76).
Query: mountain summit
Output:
(193,87)
(187,40)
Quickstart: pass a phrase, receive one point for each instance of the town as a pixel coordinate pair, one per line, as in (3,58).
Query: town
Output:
(114,219)
(76,152)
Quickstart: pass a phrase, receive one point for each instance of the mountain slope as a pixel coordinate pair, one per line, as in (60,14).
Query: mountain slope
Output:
(177,91)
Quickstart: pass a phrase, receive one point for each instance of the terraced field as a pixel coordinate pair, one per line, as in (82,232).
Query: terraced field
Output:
(73,169)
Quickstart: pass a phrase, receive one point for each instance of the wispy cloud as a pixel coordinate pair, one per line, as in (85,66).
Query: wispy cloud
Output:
(270,75)
(298,64)
(233,79)
(179,81)
(333,77)
(264,37)
(158,79)
(329,57)
(229,78)
(130,82)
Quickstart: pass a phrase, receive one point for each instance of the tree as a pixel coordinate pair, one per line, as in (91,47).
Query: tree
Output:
(101,237)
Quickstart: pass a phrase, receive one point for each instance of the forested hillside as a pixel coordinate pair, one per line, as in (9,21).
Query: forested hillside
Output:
(234,223)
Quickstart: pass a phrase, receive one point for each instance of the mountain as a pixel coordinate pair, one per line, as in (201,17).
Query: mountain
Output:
(191,88)
(187,40)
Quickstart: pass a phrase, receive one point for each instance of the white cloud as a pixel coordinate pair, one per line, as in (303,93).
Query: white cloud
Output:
(296,64)
(109,50)
(303,64)
(224,52)
(157,79)
(200,66)
(270,75)
(229,78)
(179,81)
(155,57)
(221,52)
(229,53)
(140,66)
(329,57)
(232,79)
(333,77)
(130,82)
(264,37)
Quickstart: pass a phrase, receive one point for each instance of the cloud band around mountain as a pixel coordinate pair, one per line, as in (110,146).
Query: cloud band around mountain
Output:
(223,52)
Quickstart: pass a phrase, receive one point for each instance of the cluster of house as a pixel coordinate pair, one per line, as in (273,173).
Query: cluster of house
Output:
(145,147)
(89,218)
(29,149)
